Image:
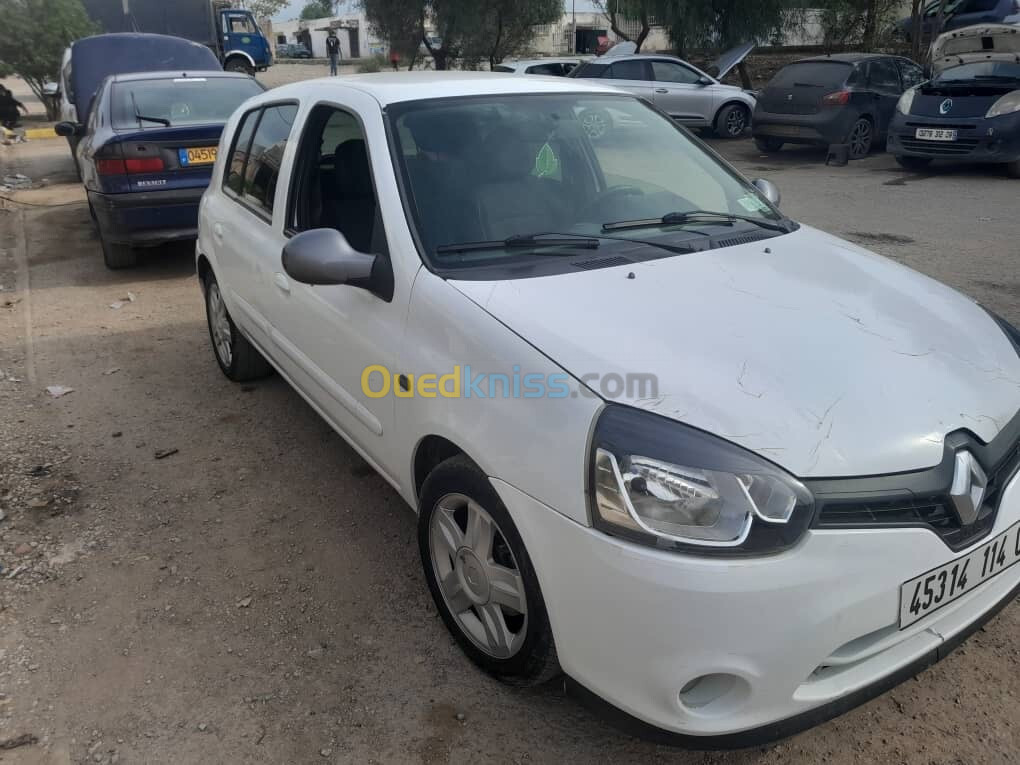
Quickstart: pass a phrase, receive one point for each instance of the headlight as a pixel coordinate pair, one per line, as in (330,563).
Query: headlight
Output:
(906,101)
(1008,104)
(674,487)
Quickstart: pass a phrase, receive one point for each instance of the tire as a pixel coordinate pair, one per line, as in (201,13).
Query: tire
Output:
(1013,169)
(861,138)
(117,256)
(769,145)
(597,123)
(517,648)
(238,64)
(238,358)
(913,163)
(732,121)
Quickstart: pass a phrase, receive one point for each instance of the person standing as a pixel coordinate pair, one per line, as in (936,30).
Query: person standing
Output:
(333,51)
(9,106)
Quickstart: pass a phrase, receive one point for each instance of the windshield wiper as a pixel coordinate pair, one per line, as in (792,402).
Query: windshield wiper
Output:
(524,242)
(695,216)
(141,117)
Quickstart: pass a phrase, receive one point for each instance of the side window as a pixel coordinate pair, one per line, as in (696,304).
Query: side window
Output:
(670,71)
(234,179)
(882,75)
(333,185)
(553,70)
(66,84)
(628,70)
(241,25)
(262,167)
(911,73)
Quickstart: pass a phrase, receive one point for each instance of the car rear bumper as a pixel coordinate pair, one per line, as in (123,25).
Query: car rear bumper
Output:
(978,139)
(826,127)
(147,218)
(778,643)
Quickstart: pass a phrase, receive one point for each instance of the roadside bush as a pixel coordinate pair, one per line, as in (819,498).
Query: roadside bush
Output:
(376,63)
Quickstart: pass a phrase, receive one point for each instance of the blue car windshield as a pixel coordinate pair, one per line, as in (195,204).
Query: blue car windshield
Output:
(179,101)
(981,70)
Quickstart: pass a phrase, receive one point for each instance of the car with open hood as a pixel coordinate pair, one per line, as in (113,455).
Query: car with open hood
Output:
(730,474)
(970,109)
(684,92)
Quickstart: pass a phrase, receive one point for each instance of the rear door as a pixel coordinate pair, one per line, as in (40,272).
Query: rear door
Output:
(633,75)
(800,87)
(884,88)
(678,92)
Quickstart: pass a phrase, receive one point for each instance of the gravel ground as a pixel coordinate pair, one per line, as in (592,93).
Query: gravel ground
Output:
(255,595)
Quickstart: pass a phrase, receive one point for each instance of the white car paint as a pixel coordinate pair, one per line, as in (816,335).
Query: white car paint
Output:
(820,356)
(970,44)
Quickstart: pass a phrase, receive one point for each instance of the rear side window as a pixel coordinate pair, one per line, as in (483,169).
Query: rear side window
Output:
(590,71)
(670,71)
(628,70)
(253,176)
(502,69)
(812,74)
(552,70)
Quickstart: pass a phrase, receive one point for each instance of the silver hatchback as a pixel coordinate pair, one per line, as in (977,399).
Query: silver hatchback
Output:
(684,92)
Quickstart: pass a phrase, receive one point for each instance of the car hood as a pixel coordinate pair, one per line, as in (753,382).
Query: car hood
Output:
(731,58)
(986,42)
(816,354)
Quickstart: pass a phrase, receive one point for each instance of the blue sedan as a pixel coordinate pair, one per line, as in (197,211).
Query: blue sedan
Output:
(147,152)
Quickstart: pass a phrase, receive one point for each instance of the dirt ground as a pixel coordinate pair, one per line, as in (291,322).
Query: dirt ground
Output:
(198,572)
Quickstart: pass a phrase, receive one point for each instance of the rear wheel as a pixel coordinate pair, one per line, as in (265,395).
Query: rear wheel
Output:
(860,138)
(913,163)
(238,64)
(481,577)
(732,121)
(238,359)
(1013,169)
(117,256)
(768,145)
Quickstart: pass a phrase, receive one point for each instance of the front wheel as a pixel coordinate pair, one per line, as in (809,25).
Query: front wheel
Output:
(732,121)
(860,138)
(913,163)
(768,145)
(238,359)
(239,65)
(481,577)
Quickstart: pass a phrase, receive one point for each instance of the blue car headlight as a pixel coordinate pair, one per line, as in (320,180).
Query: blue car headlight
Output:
(1008,104)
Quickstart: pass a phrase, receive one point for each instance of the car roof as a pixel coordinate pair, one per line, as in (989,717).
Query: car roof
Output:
(539,61)
(395,87)
(845,58)
(176,74)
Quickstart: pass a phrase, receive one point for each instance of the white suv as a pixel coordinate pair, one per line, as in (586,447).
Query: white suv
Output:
(730,474)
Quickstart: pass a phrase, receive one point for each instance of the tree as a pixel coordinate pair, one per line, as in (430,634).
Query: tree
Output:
(264,9)
(400,23)
(856,23)
(33,36)
(502,28)
(316,9)
(617,10)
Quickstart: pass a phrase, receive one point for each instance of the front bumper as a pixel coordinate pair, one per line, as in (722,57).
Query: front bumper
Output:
(785,642)
(978,139)
(826,127)
(147,218)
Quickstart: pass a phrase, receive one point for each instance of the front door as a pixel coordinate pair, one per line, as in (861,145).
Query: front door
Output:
(678,92)
(886,89)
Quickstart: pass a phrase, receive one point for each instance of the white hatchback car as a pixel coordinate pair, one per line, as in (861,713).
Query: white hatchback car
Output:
(732,475)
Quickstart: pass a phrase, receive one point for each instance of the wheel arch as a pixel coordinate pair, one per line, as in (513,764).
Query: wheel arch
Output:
(733,101)
(429,453)
(238,54)
(203,266)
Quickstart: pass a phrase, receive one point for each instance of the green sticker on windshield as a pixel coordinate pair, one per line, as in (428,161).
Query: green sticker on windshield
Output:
(752,204)
(546,162)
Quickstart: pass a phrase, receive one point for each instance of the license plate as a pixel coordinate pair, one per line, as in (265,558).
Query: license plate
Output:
(200,155)
(935,134)
(927,593)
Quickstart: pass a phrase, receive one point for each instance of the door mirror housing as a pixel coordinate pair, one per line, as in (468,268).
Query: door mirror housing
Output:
(68,129)
(704,81)
(769,190)
(323,256)
(51,89)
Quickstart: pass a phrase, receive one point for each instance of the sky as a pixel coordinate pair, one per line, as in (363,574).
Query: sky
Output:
(293,10)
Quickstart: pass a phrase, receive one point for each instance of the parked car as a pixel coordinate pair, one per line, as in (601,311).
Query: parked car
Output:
(553,67)
(687,94)
(749,537)
(292,50)
(847,98)
(970,109)
(959,14)
(88,61)
(147,152)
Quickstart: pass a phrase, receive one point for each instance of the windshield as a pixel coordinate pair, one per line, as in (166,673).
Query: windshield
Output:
(981,70)
(488,169)
(180,101)
(816,74)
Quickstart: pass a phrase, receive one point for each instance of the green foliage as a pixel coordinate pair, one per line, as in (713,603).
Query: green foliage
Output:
(264,9)
(317,9)
(858,23)
(721,24)
(399,22)
(499,29)
(34,34)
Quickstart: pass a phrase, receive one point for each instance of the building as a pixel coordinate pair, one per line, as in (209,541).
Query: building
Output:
(357,39)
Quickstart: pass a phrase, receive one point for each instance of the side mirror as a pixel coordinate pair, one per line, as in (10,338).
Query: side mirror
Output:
(68,129)
(324,256)
(769,190)
(704,81)
(51,89)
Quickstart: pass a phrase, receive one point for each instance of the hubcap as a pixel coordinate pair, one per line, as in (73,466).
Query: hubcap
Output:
(735,122)
(860,139)
(220,325)
(478,576)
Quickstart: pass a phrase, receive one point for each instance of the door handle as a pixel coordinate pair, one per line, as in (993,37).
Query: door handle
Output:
(661,90)
(281,282)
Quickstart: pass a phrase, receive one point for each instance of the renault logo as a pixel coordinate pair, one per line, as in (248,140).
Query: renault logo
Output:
(945,106)
(969,486)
